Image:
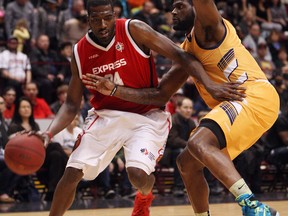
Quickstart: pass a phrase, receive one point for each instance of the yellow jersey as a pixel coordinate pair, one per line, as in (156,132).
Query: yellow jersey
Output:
(228,61)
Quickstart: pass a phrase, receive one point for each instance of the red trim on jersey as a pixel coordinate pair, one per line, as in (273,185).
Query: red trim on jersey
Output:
(93,122)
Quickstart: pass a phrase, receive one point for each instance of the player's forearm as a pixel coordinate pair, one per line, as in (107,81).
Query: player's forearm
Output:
(142,96)
(169,84)
(196,70)
(64,117)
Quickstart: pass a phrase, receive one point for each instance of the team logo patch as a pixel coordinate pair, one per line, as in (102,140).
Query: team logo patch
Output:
(147,153)
(119,46)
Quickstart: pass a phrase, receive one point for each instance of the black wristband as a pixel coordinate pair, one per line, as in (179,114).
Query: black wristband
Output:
(114,90)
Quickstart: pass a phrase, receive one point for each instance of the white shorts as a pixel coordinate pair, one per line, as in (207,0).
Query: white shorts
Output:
(105,132)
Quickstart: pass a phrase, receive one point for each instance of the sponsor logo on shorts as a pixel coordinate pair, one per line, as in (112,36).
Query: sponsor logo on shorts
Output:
(148,154)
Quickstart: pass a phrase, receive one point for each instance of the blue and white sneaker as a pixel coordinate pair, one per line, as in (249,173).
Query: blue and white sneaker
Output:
(254,207)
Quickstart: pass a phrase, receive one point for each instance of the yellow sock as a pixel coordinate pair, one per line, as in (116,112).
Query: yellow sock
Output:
(240,187)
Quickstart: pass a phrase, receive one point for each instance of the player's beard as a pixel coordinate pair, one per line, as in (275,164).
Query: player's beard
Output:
(184,25)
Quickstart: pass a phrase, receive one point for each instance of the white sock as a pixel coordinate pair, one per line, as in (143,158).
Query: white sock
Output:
(240,187)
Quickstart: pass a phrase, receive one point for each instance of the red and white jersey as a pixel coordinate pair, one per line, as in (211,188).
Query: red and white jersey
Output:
(122,61)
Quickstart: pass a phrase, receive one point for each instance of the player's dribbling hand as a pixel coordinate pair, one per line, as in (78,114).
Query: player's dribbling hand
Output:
(98,83)
(230,91)
(44,136)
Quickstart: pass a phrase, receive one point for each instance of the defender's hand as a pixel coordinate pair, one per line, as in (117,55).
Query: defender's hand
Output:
(230,91)
(98,83)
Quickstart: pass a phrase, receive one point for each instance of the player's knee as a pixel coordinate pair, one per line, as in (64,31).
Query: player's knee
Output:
(72,175)
(137,176)
(201,151)
(196,149)
(187,163)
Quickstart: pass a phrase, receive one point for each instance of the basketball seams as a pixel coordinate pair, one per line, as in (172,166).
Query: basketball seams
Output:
(16,146)
(27,165)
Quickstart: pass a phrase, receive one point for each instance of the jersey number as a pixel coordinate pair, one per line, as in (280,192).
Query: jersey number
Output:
(114,78)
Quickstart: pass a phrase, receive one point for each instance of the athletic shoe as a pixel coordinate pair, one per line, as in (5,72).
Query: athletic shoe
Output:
(251,207)
(142,204)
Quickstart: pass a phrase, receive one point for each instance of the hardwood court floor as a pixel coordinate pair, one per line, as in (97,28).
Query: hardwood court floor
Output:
(227,209)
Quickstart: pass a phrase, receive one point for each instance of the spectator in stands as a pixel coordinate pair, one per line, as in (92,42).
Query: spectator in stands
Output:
(48,16)
(282,60)
(279,13)
(22,34)
(15,66)
(75,28)
(71,12)
(247,21)
(87,105)
(44,68)
(103,182)
(172,103)
(5,174)
(150,15)
(263,16)
(182,126)
(67,137)
(57,154)
(277,140)
(2,109)
(9,96)
(21,9)
(61,94)
(190,91)
(119,175)
(40,107)
(284,95)
(118,9)
(64,59)
(3,36)
(267,66)
(162,64)
(22,118)
(274,44)
(253,39)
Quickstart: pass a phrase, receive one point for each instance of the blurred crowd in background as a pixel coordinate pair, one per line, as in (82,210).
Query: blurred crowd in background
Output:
(36,41)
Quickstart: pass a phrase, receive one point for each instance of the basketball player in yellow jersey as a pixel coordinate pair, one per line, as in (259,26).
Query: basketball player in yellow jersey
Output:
(232,126)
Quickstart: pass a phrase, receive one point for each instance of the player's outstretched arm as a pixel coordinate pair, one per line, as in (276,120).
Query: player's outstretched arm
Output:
(71,106)
(169,84)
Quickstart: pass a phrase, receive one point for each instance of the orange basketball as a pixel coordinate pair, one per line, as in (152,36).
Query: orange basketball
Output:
(24,154)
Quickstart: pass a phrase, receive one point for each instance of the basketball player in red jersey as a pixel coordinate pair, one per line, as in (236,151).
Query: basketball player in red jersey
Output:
(231,126)
(119,50)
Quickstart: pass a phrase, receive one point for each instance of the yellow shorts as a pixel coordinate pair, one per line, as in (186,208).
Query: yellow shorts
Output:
(243,123)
